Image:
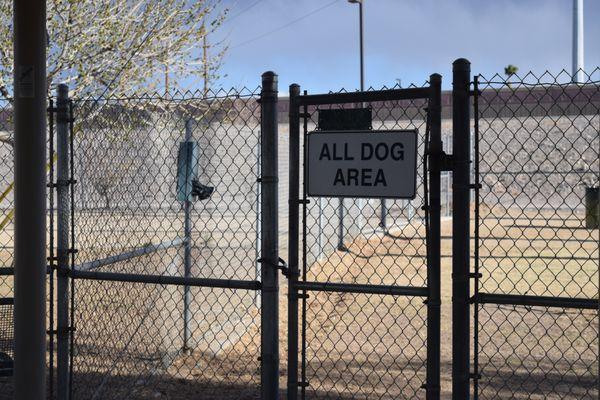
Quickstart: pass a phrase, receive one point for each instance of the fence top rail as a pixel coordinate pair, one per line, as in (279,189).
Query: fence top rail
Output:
(367,96)
(189,95)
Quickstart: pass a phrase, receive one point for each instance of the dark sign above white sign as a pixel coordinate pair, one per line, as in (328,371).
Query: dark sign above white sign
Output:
(371,164)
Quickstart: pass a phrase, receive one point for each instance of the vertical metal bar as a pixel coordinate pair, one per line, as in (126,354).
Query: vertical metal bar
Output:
(382,220)
(51,252)
(62,241)
(341,246)
(461,150)
(433,270)
(320,237)
(73,247)
(270,239)
(476,241)
(187,255)
(304,258)
(294,234)
(258,219)
(30,94)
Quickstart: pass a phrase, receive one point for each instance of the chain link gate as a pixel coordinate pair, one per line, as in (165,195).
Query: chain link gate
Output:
(166,256)
(536,257)
(368,292)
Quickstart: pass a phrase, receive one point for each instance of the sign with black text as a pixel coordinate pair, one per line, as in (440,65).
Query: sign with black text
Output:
(371,164)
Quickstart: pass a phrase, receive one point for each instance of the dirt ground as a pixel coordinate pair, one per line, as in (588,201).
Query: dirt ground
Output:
(358,346)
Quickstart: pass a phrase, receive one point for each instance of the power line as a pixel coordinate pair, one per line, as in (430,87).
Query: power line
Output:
(242,12)
(286,25)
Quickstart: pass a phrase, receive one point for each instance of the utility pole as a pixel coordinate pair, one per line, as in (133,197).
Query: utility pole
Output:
(578,74)
(30,92)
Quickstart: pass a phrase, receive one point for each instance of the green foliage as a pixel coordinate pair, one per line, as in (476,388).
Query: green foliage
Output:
(510,70)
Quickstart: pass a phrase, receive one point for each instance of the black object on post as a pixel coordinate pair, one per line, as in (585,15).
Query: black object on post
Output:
(293,234)
(461,148)
(269,242)
(592,207)
(433,260)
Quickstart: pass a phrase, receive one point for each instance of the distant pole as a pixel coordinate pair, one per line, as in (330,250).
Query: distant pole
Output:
(62,244)
(187,255)
(362,54)
(205,62)
(578,74)
(30,92)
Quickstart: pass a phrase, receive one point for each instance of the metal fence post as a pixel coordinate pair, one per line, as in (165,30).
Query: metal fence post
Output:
(433,270)
(461,149)
(30,103)
(62,241)
(270,240)
(294,233)
(187,255)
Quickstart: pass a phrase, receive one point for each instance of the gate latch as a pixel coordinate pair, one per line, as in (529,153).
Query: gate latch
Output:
(281,265)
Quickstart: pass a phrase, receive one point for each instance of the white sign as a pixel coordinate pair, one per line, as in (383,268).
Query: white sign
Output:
(375,164)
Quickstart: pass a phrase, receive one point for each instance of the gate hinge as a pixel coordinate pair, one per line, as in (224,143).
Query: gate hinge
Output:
(267,179)
(426,386)
(300,296)
(304,115)
(475,92)
(64,331)
(303,384)
(446,161)
(474,275)
(475,377)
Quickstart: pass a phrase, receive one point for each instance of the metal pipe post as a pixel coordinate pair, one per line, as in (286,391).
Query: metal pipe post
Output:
(461,149)
(30,94)
(62,241)
(270,240)
(294,234)
(187,255)
(578,49)
(433,270)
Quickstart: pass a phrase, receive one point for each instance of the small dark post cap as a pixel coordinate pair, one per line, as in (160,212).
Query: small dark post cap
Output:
(269,81)
(294,89)
(62,90)
(461,64)
(435,77)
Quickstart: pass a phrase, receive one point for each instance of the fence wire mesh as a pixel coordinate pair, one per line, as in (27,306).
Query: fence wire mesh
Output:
(538,157)
(366,345)
(6,248)
(7,230)
(129,339)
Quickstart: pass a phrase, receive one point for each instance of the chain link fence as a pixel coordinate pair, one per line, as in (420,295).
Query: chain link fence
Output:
(138,340)
(537,237)
(6,248)
(535,241)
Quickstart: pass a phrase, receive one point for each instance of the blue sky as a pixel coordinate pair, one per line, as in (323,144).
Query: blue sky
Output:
(404,39)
